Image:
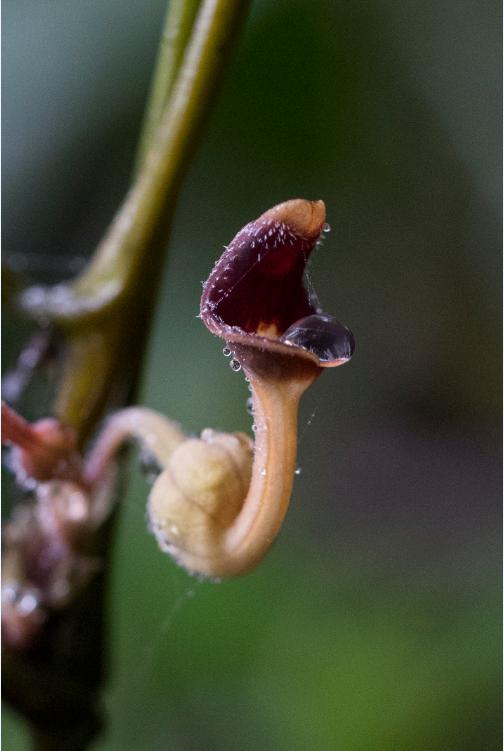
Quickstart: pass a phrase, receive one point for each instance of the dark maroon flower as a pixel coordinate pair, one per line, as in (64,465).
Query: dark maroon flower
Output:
(255,295)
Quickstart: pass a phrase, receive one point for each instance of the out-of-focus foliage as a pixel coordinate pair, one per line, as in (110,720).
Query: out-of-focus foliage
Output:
(374,622)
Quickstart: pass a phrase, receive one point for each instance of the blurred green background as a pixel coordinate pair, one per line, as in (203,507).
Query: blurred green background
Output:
(374,623)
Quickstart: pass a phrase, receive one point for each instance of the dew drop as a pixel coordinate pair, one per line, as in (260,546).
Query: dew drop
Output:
(263,473)
(27,483)
(10,593)
(27,604)
(250,405)
(208,435)
(149,466)
(235,365)
(298,471)
(227,352)
(326,227)
(34,296)
(323,335)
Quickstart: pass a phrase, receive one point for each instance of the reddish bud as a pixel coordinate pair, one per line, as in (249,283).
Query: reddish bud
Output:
(43,450)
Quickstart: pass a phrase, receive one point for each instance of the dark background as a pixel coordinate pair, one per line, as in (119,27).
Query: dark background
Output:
(374,621)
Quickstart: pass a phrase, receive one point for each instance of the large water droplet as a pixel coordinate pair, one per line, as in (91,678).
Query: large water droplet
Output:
(227,352)
(323,335)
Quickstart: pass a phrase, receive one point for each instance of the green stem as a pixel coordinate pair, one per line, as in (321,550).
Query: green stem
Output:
(111,274)
(93,377)
(177,28)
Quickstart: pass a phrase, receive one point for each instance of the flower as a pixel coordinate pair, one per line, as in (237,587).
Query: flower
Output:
(255,296)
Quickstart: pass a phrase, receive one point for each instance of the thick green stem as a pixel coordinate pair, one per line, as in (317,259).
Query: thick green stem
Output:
(177,29)
(104,306)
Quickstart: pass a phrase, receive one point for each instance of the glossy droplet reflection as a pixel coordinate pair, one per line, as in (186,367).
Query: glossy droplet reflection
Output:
(149,466)
(323,335)
(235,365)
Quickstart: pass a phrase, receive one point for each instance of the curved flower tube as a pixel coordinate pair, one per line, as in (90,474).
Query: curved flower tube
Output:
(158,436)
(256,301)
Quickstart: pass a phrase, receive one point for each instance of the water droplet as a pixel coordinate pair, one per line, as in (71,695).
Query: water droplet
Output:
(149,466)
(10,593)
(323,335)
(27,604)
(250,405)
(326,227)
(235,365)
(27,483)
(34,296)
(227,352)
(208,435)
(263,473)
(254,428)
(298,471)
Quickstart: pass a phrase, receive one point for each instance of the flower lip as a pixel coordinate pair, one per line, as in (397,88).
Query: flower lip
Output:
(255,294)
